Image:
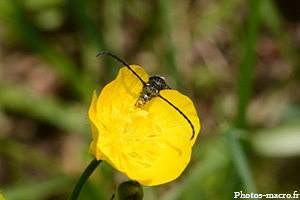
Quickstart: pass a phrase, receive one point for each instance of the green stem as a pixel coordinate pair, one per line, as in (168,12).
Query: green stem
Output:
(246,77)
(84,177)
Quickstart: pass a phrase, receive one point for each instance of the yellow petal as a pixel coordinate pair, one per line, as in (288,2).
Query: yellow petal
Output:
(186,106)
(95,126)
(92,119)
(125,84)
(176,146)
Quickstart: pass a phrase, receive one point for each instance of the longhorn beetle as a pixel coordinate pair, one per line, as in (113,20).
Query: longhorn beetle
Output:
(151,89)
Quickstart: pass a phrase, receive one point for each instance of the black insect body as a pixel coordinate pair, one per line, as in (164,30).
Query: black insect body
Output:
(151,89)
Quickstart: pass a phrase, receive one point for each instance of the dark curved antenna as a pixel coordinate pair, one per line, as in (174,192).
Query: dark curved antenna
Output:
(144,83)
(121,61)
(185,117)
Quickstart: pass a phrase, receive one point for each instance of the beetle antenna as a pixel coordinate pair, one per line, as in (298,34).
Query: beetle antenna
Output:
(185,117)
(121,61)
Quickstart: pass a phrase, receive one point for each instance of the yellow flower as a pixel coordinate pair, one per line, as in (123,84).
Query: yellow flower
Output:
(151,144)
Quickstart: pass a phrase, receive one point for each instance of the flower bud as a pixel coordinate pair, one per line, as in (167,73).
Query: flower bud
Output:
(130,190)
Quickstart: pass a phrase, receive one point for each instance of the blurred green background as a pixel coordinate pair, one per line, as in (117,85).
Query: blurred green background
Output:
(238,60)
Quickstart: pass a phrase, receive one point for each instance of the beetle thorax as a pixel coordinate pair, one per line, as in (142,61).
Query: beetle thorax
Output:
(151,89)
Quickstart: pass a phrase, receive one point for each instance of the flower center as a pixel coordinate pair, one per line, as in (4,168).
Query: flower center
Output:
(134,137)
